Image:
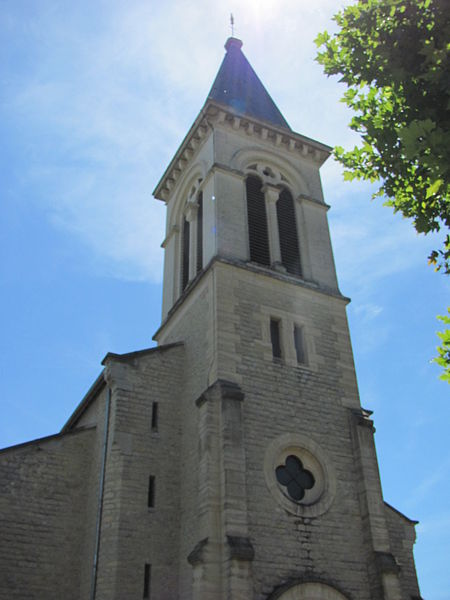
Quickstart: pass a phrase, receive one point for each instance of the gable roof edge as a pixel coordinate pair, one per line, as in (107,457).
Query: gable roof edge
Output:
(89,397)
(138,353)
(400,514)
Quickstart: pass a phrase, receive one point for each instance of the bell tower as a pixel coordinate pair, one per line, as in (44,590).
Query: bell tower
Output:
(279,490)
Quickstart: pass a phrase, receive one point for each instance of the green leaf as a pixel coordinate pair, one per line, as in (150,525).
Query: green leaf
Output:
(443,358)
(322,38)
(434,187)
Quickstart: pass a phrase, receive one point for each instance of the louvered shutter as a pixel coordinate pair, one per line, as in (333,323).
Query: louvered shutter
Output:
(257,222)
(200,232)
(185,255)
(287,228)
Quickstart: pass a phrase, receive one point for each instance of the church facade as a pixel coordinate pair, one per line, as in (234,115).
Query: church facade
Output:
(233,460)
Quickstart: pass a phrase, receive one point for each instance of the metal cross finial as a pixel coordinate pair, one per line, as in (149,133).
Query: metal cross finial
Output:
(232,24)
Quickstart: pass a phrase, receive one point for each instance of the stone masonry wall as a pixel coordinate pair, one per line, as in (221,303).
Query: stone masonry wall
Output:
(132,533)
(43,503)
(309,400)
(402,535)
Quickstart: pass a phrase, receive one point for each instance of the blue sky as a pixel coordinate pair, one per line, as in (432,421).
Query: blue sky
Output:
(95,97)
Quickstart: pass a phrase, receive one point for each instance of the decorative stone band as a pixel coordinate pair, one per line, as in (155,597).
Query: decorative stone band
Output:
(228,389)
(197,555)
(362,417)
(240,548)
(386,562)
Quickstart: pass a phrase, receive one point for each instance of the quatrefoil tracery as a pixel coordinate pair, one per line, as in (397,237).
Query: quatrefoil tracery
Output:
(294,477)
(267,174)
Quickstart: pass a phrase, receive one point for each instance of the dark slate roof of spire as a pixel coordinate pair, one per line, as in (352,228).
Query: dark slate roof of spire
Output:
(238,87)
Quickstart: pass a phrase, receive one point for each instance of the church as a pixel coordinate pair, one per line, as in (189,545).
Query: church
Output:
(233,460)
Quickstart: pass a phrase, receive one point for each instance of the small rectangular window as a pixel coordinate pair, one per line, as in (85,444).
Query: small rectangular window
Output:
(299,344)
(151,491)
(147,580)
(275,338)
(154,416)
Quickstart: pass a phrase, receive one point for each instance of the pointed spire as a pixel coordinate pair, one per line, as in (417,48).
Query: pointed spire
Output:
(238,87)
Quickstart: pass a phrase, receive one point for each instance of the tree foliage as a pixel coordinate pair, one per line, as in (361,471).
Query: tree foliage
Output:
(393,55)
(443,358)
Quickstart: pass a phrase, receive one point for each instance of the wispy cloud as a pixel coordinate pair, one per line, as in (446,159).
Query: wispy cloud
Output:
(370,242)
(368,312)
(429,483)
(101,116)
(437,524)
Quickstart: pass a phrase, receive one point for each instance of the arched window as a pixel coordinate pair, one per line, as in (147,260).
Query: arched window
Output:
(257,222)
(287,228)
(199,264)
(185,254)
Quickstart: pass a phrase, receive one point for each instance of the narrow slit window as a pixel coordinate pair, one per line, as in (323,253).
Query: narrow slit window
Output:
(154,416)
(200,232)
(151,491)
(185,255)
(299,344)
(147,580)
(275,338)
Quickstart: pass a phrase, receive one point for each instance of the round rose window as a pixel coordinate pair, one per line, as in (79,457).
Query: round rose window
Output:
(299,475)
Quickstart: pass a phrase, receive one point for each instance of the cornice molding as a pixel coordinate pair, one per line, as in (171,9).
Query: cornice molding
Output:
(215,115)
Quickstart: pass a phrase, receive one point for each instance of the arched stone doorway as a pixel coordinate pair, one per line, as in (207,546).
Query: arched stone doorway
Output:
(308,591)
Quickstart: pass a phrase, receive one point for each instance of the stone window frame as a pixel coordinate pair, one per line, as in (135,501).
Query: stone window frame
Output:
(289,175)
(319,499)
(281,334)
(299,326)
(188,212)
(287,322)
(183,197)
(273,181)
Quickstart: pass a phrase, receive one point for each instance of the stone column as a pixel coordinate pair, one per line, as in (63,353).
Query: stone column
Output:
(303,238)
(171,261)
(231,221)
(206,556)
(315,244)
(384,569)
(239,551)
(271,195)
(222,558)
